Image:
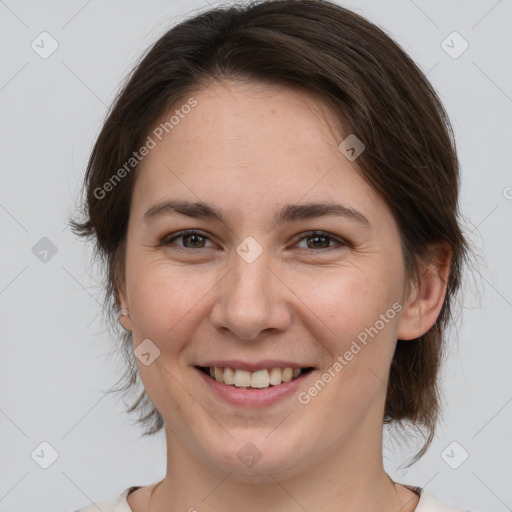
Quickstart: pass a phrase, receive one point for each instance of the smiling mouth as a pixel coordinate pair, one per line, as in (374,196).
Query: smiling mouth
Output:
(260,379)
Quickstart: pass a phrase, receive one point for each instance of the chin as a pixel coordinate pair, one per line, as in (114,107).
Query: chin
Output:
(260,462)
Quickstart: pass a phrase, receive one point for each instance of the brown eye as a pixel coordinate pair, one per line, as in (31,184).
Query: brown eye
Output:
(321,240)
(191,240)
(196,240)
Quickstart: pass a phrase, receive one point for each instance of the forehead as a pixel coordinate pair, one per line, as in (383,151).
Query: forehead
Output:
(231,115)
(247,144)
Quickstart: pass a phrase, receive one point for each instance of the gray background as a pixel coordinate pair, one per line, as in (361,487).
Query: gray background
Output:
(55,366)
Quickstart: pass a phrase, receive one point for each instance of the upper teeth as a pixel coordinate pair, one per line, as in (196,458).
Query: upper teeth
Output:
(258,379)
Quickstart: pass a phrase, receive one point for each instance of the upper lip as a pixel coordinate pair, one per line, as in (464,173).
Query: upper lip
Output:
(253,366)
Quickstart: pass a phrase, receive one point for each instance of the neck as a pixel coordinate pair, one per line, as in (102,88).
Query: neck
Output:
(349,477)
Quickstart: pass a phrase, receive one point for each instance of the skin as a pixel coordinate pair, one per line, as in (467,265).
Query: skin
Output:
(248,149)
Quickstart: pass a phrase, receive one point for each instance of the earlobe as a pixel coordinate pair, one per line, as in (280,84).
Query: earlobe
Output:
(120,293)
(120,287)
(425,300)
(124,312)
(124,319)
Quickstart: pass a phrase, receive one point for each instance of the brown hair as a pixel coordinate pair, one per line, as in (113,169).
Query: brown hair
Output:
(373,89)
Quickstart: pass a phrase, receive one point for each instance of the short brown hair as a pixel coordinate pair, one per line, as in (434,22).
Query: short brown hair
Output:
(373,89)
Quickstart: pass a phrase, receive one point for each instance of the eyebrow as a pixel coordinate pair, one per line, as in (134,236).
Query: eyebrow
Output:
(288,213)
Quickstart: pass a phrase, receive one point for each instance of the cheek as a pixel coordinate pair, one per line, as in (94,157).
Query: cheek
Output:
(355,317)
(153,296)
(167,301)
(347,300)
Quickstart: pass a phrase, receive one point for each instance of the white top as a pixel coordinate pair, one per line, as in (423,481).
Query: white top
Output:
(427,503)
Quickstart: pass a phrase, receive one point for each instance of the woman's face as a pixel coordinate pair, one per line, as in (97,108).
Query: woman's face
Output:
(261,292)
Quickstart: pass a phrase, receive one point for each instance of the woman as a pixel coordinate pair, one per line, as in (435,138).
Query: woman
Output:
(275,195)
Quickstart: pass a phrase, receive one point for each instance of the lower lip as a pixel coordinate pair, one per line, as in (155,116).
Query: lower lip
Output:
(251,397)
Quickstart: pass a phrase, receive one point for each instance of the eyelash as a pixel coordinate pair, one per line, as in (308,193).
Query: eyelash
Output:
(343,243)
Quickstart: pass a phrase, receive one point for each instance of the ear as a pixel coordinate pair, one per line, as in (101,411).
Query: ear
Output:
(124,320)
(425,300)
(120,287)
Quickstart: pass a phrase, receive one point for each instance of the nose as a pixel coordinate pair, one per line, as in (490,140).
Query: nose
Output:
(252,299)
